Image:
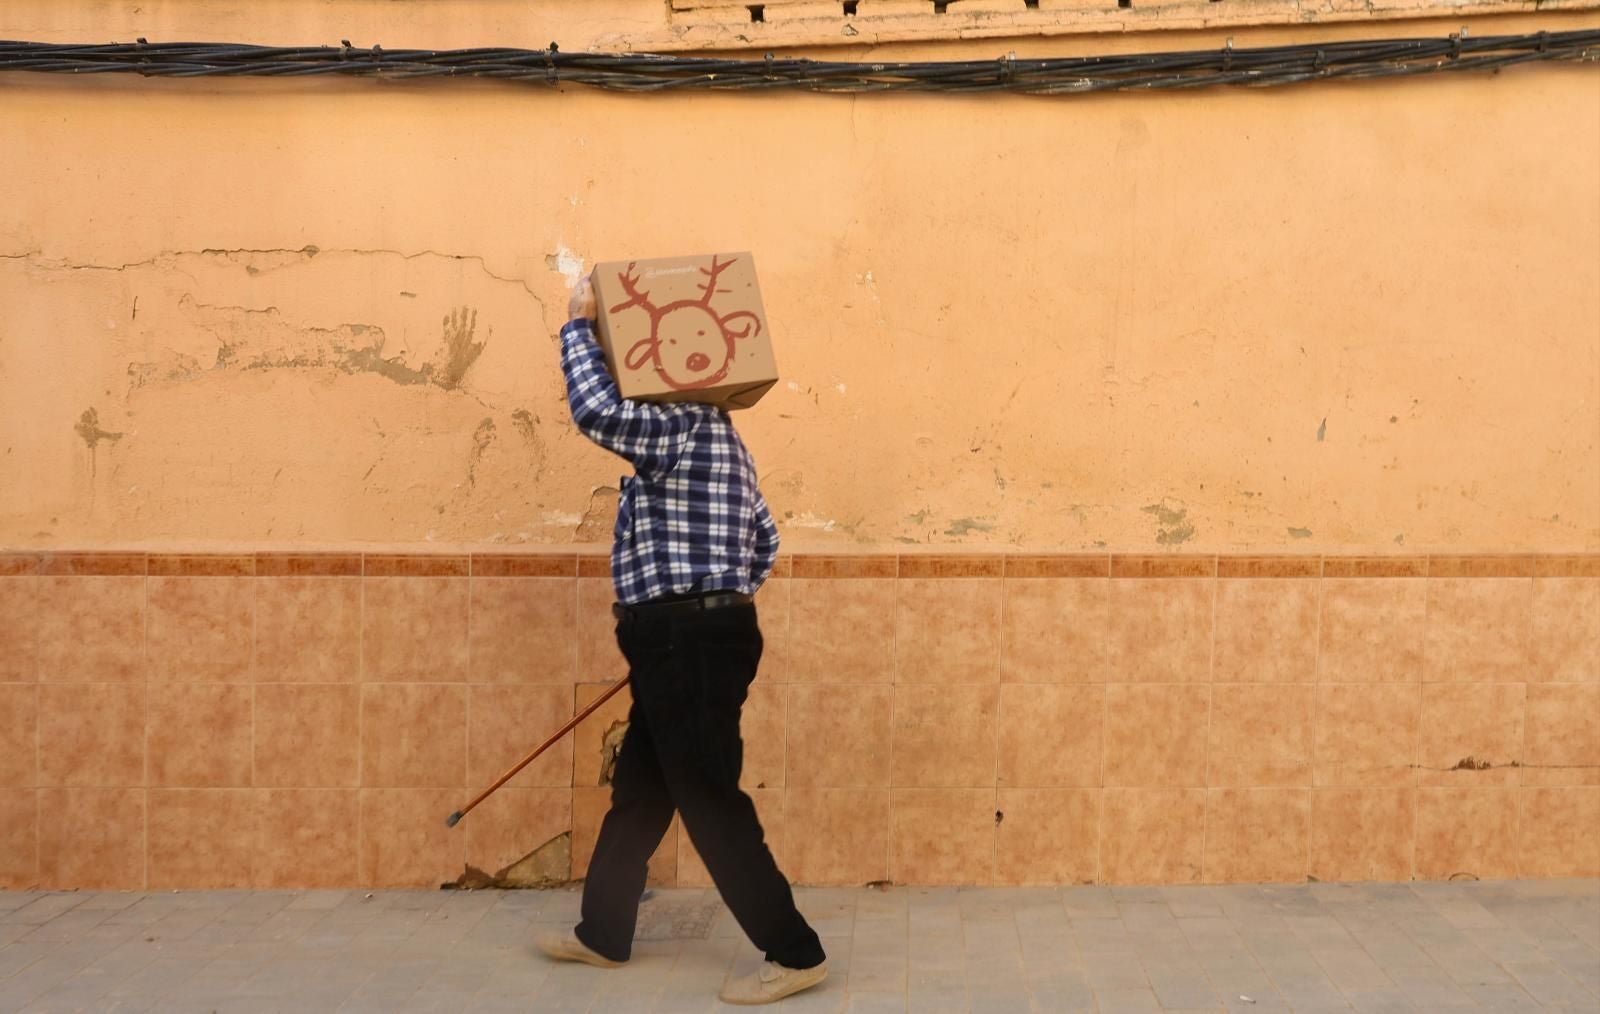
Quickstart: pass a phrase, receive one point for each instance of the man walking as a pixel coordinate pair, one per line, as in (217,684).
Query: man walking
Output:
(693,542)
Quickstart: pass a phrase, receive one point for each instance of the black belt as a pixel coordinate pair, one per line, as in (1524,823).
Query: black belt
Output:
(681,604)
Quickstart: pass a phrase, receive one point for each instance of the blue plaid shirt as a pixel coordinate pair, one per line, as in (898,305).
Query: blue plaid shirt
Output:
(691,518)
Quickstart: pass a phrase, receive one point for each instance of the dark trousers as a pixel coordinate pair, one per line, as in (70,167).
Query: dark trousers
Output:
(690,671)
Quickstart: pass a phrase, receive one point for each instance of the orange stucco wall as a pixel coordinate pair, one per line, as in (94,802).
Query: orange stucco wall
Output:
(1343,317)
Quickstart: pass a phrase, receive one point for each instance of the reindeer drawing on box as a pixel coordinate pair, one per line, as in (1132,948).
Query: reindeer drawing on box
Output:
(690,345)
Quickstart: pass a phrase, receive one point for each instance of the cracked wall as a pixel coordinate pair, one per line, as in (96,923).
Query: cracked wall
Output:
(1323,318)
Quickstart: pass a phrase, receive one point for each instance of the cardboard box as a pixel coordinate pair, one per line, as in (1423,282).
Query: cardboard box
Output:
(686,329)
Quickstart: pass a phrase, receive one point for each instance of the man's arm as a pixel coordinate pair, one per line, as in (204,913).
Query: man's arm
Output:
(649,436)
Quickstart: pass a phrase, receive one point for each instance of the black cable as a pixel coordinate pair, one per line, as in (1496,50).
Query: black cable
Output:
(649,72)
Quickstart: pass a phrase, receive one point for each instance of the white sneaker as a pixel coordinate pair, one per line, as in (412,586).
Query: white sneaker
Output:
(771,983)
(567,947)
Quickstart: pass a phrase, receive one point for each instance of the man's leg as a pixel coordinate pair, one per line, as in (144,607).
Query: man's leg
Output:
(640,814)
(696,725)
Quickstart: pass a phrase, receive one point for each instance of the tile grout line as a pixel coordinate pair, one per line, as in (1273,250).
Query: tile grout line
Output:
(1316,715)
(144,675)
(1211,693)
(362,874)
(999,701)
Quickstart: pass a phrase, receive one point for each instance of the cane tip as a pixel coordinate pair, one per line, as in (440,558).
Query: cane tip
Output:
(453,819)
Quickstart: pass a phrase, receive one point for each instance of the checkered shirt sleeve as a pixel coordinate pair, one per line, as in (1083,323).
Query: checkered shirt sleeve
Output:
(691,518)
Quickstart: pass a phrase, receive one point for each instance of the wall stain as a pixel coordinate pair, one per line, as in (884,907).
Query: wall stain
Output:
(482,437)
(966,526)
(459,328)
(1300,533)
(1174,526)
(88,427)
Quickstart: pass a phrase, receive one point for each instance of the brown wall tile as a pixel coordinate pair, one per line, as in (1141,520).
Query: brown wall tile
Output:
(947,630)
(307,839)
(404,842)
(1567,565)
(508,721)
(865,566)
(1160,631)
(200,565)
(198,736)
(522,630)
(1156,735)
(1372,630)
(955,565)
(552,565)
(1055,630)
(91,629)
(1374,566)
(594,565)
(1467,831)
(942,836)
(414,629)
(599,659)
(19,839)
(1135,566)
(200,629)
(1561,738)
(1480,566)
(202,838)
(944,736)
(308,565)
(1363,834)
(1366,734)
(415,565)
(1152,836)
(782,567)
(1478,629)
(413,736)
(589,738)
(1558,836)
(838,836)
(20,619)
(839,736)
(1048,836)
(1257,836)
(93,564)
(21,564)
(512,823)
(763,726)
(841,631)
(308,629)
(772,610)
(1256,567)
(1058,566)
(1266,630)
(19,728)
(93,840)
(91,735)
(1464,727)
(308,735)
(1260,735)
(1566,630)
(1051,736)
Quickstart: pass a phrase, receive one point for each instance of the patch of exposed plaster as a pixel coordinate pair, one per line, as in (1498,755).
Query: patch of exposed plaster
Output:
(260,339)
(567,263)
(599,515)
(549,865)
(610,746)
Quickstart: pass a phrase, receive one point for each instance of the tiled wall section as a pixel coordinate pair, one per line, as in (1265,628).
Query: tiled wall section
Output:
(274,720)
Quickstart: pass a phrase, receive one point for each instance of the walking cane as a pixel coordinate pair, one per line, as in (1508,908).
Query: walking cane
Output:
(455,818)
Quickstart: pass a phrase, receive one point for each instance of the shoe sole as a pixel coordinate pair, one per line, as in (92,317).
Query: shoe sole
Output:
(583,957)
(794,987)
